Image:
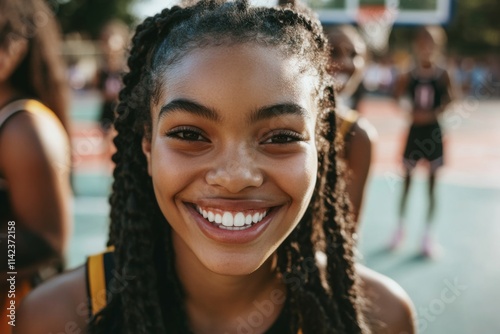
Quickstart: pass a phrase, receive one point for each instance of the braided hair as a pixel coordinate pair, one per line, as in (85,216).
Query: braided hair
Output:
(321,300)
(40,73)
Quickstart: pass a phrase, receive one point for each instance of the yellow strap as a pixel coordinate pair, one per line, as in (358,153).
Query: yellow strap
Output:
(347,122)
(97,282)
(37,107)
(30,105)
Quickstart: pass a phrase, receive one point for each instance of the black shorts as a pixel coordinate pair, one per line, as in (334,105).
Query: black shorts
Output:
(424,142)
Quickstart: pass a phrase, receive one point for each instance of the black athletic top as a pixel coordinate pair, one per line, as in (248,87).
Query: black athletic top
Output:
(429,92)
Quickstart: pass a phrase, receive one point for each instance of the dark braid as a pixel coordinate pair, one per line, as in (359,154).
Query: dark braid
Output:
(135,216)
(140,233)
(339,244)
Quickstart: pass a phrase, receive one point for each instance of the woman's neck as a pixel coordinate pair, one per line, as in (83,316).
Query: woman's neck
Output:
(221,303)
(7,93)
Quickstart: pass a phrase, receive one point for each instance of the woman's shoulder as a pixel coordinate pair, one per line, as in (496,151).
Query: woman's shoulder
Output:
(389,309)
(58,305)
(38,133)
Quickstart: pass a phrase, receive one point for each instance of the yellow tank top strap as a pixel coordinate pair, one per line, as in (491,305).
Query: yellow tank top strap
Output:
(30,105)
(96,281)
(348,119)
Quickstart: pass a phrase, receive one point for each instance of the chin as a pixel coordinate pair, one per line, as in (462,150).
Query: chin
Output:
(234,264)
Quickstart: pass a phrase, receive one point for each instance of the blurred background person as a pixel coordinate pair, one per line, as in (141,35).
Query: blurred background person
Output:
(428,87)
(112,42)
(348,61)
(35,162)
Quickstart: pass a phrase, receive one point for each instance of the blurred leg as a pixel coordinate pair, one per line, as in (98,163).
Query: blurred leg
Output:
(432,198)
(404,197)
(399,234)
(428,246)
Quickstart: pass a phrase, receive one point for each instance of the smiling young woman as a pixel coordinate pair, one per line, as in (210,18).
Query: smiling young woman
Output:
(225,199)
(225,155)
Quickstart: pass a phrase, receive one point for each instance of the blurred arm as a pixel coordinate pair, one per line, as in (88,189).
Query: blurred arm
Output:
(401,85)
(448,95)
(35,161)
(359,161)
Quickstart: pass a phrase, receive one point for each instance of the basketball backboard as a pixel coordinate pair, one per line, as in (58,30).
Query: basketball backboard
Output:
(406,12)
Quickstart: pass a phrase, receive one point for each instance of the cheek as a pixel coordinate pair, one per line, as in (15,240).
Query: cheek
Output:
(299,177)
(169,174)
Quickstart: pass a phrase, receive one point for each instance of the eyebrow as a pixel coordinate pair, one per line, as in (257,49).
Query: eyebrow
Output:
(190,107)
(277,110)
(266,112)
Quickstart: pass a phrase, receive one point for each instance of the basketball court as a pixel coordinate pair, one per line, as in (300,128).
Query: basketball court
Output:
(457,292)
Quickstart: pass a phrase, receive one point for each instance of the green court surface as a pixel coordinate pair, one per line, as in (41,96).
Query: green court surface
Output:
(456,293)
(467,226)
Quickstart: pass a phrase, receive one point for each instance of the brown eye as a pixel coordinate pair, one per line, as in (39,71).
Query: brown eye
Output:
(186,134)
(189,135)
(284,137)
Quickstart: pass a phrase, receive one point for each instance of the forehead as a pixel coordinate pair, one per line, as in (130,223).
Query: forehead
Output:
(251,73)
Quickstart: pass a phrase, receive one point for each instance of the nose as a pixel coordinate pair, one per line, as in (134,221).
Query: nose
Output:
(235,170)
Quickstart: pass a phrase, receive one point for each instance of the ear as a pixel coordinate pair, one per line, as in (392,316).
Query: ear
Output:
(146,149)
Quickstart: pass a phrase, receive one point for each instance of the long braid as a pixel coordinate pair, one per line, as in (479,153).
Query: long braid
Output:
(139,231)
(132,254)
(339,246)
(135,216)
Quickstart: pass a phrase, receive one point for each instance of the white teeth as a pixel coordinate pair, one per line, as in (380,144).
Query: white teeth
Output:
(227,219)
(231,221)
(239,219)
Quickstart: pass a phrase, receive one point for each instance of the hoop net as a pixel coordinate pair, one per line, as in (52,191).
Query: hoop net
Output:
(375,23)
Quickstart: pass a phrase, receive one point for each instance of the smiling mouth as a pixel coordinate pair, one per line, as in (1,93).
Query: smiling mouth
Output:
(232,220)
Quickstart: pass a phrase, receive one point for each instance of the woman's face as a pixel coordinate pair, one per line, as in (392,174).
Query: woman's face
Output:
(348,59)
(425,48)
(232,154)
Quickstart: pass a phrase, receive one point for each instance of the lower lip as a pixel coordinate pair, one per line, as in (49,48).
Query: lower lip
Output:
(231,236)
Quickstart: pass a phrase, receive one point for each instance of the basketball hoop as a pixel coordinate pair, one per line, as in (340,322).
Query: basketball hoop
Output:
(375,23)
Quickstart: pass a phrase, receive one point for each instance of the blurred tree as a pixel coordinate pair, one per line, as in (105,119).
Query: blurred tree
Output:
(475,27)
(89,16)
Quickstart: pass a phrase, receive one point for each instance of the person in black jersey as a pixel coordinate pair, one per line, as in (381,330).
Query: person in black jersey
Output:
(429,89)
(228,214)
